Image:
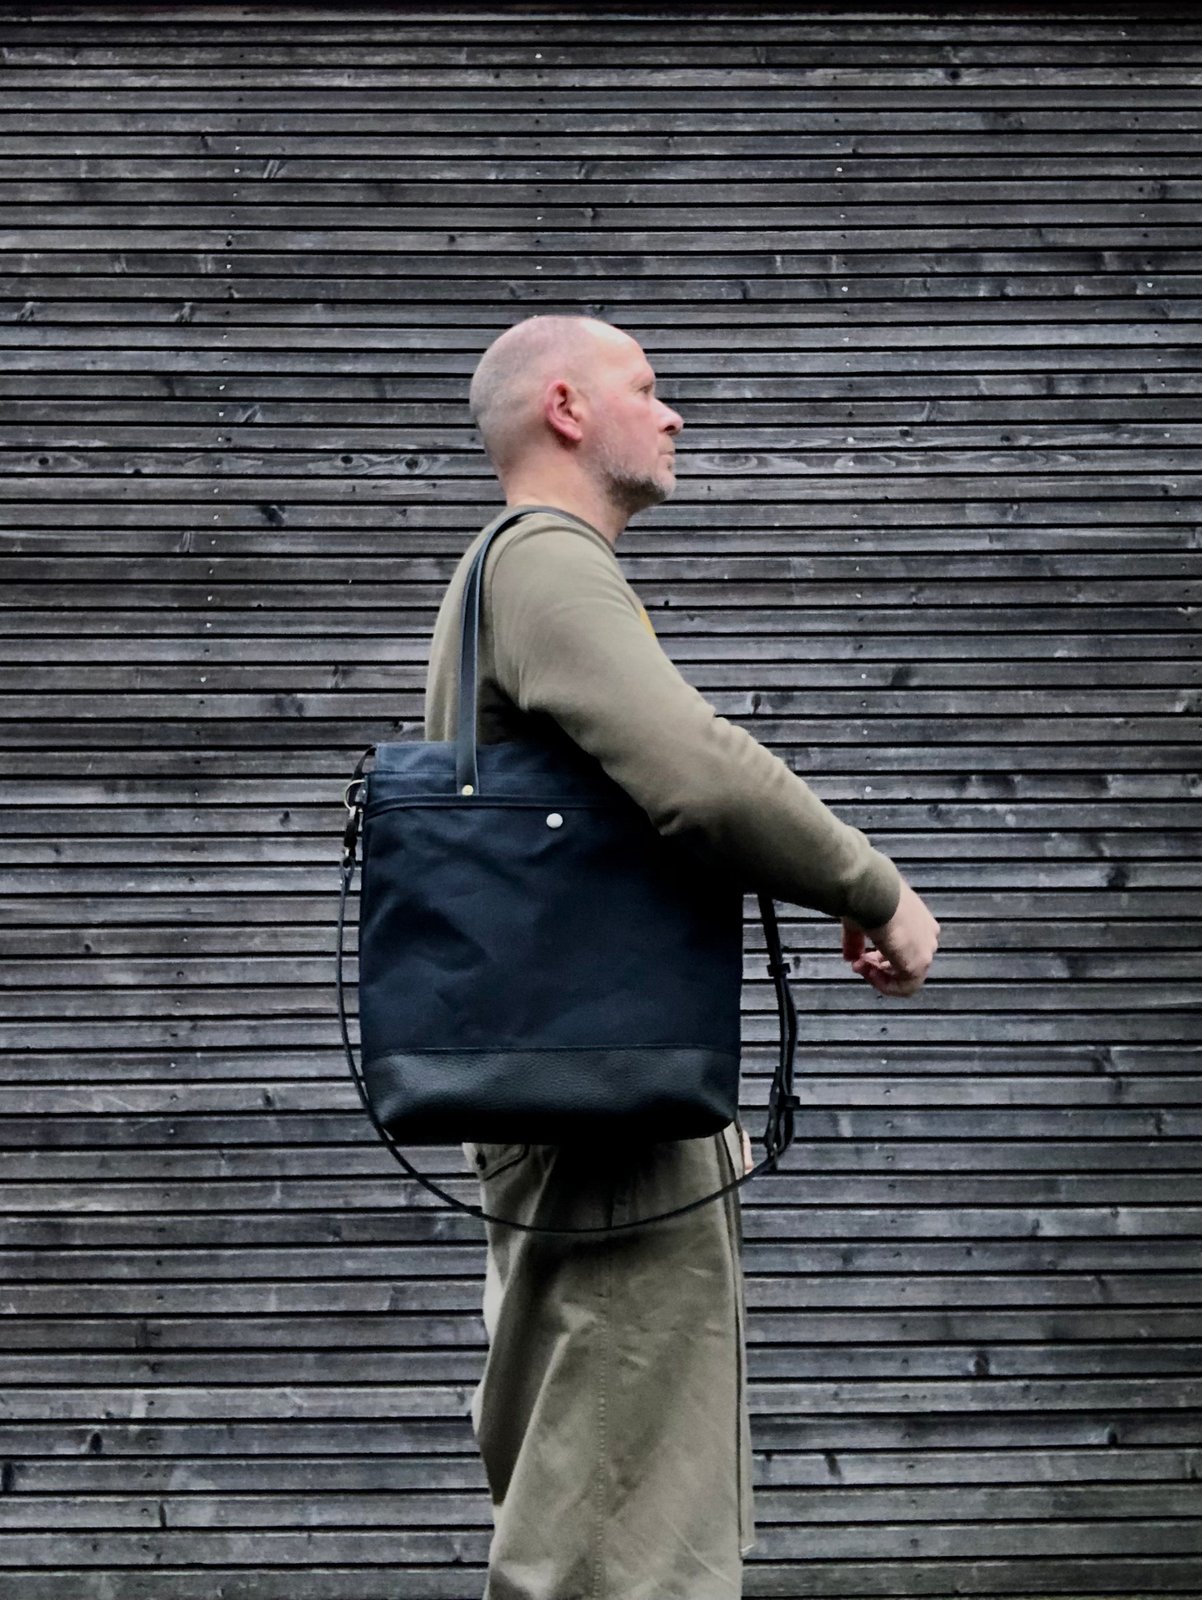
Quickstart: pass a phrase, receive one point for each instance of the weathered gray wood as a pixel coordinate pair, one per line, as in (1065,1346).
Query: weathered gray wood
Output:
(561,224)
(458,194)
(1063,715)
(1150,1470)
(903,798)
(269,1002)
(1070,36)
(124,1441)
(999,397)
(1144,535)
(439,355)
(130,1268)
(358,1190)
(201,1065)
(1174,592)
(604,119)
(347,1401)
(332,621)
(1014,945)
(403,1509)
(797,1295)
(330,1581)
(685,66)
(1034,1327)
(1125,977)
(115,447)
(1167,259)
(925,288)
(335,168)
(863,1024)
(1131,909)
(425,578)
(406,681)
(32,188)
(1104,1538)
(753,299)
(86,1233)
(724,379)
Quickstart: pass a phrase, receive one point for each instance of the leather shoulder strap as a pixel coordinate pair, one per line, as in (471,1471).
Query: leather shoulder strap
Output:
(467,775)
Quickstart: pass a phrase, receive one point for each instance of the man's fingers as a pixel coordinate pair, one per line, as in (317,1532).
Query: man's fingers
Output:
(884,977)
(902,987)
(871,961)
(889,983)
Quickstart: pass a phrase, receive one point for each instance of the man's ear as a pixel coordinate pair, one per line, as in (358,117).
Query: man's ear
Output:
(563,408)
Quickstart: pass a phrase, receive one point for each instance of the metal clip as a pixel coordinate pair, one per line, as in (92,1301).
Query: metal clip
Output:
(354,811)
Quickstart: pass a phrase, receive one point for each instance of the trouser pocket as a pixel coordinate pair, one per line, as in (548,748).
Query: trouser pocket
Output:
(489,1159)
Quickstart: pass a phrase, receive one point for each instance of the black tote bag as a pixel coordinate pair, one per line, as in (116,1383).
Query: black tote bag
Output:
(536,961)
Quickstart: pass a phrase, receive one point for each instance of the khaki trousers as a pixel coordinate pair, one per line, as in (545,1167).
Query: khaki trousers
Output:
(612,1414)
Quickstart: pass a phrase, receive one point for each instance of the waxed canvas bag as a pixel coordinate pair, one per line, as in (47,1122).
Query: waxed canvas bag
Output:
(536,961)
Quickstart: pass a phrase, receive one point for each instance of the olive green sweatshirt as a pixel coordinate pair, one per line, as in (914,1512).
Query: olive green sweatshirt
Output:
(564,635)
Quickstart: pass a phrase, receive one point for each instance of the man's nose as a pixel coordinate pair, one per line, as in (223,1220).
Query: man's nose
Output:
(673,421)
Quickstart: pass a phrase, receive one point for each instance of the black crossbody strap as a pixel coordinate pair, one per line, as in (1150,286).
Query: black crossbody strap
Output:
(781,1100)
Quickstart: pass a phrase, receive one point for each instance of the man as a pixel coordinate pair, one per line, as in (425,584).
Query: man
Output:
(612,1414)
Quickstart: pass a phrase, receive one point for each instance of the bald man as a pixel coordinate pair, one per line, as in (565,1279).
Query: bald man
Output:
(612,1414)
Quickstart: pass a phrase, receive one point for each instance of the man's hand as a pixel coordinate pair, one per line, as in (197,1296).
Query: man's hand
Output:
(905,946)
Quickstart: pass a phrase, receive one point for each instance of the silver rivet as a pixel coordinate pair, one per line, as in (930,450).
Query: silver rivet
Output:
(467,789)
(555,820)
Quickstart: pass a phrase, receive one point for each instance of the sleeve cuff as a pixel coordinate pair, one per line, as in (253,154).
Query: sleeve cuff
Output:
(876,892)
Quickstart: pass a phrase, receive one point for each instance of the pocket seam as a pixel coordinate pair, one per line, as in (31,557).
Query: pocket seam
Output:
(502,1163)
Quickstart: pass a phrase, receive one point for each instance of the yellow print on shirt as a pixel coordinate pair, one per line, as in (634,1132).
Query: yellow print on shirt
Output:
(647,620)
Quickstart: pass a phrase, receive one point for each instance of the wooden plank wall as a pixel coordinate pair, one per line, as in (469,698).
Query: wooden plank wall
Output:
(925,288)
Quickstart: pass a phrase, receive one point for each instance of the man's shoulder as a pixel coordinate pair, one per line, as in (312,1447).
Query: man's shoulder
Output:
(547,548)
(537,525)
(546,559)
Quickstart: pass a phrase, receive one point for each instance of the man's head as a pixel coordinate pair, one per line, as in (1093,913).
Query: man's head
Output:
(569,402)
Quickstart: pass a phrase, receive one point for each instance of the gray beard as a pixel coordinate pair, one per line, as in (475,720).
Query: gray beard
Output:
(633,492)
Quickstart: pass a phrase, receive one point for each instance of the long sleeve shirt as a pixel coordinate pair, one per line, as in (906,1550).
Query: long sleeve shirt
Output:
(564,635)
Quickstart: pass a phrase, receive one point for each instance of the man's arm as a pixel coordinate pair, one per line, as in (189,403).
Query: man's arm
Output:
(570,641)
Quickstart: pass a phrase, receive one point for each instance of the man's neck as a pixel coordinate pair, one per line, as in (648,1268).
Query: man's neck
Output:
(582,500)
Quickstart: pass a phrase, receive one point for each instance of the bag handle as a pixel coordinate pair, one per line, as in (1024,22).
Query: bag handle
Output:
(782,1102)
(467,776)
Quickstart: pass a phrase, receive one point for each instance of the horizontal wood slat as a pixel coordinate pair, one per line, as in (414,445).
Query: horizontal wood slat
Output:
(925,287)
